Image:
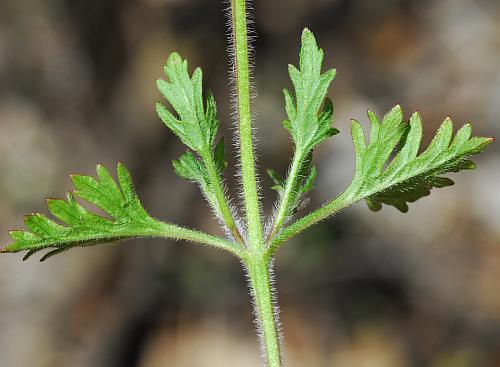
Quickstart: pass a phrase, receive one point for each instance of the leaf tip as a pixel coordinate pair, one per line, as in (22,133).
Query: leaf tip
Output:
(404,209)
(174,57)
(30,215)
(398,109)
(159,107)
(372,116)
(307,34)
(73,176)
(373,205)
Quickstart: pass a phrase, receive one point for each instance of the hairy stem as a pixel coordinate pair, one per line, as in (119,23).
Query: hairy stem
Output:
(242,70)
(225,211)
(258,268)
(340,202)
(288,194)
(172,231)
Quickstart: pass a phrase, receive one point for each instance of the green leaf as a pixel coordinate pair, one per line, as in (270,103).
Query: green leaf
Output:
(309,122)
(302,185)
(196,124)
(193,169)
(219,155)
(279,182)
(189,167)
(408,176)
(307,125)
(78,226)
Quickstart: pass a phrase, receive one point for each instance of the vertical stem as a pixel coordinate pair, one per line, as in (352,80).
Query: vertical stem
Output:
(257,262)
(242,70)
(260,282)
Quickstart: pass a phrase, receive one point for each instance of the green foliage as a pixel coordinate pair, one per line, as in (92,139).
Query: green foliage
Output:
(192,169)
(197,127)
(305,123)
(197,123)
(309,122)
(408,176)
(302,185)
(127,217)
(389,170)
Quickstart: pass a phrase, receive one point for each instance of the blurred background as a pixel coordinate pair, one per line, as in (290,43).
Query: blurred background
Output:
(77,87)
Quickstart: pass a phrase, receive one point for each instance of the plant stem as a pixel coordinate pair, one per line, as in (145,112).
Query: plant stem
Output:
(340,202)
(242,71)
(288,194)
(172,231)
(256,260)
(225,211)
(258,268)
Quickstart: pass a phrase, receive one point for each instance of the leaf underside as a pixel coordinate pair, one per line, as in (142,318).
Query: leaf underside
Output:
(310,118)
(307,125)
(196,125)
(390,170)
(77,226)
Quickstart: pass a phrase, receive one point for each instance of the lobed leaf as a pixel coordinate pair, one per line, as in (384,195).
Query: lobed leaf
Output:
(78,226)
(307,125)
(310,117)
(196,124)
(408,176)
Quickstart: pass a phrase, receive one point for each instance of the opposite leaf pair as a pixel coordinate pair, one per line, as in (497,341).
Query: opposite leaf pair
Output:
(389,169)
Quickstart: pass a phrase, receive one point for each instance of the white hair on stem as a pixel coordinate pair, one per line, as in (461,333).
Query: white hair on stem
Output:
(276,311)
(251,35)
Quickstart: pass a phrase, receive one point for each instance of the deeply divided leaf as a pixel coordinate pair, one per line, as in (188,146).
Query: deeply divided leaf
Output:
(390,170)
(77,226)
(310,117)
(196,123)
(309,123)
